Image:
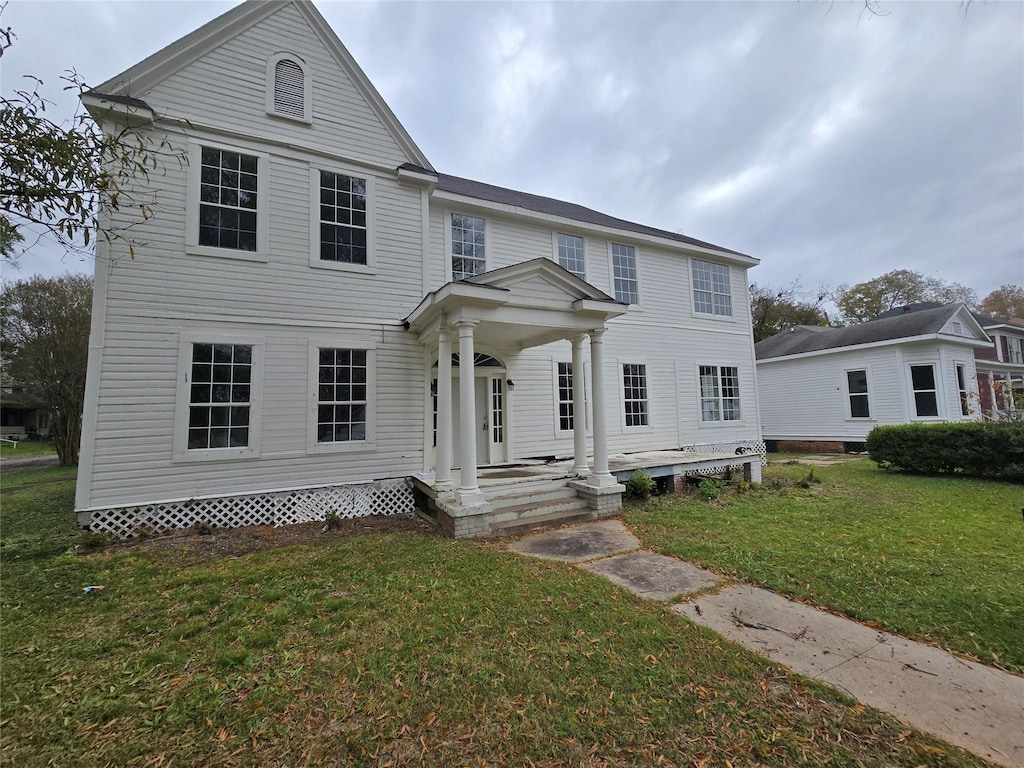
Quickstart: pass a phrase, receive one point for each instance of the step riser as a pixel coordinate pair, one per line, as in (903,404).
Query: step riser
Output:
(526,526)
(538,498)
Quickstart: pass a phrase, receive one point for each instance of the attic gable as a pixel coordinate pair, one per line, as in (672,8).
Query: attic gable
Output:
(213,41)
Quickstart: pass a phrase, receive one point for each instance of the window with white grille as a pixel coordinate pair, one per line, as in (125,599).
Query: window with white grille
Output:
(624,277)
(711,292)
(634,394)
(719,393)
(468,245)
(288,87)
(570,255)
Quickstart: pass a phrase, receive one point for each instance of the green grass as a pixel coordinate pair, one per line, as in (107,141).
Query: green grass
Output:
(940,559)
(26,448)
(382,649)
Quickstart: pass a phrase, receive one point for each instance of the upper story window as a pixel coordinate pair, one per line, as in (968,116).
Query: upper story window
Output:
(343,218)
(624,275)
(926,400)
(570,255)
(1012,349)
(857,391)
(711,292)
(719,393)
(468,235)
(228,196)
(288,87)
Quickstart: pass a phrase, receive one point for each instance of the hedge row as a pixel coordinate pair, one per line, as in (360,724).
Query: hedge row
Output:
(977,449)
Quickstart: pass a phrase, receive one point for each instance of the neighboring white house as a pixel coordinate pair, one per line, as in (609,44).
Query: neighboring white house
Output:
(833,385)
(289,337)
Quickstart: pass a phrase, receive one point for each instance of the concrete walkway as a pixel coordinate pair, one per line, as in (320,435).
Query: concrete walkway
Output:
(976,707)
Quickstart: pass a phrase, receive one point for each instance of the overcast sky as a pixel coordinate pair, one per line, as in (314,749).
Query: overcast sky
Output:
(829,143)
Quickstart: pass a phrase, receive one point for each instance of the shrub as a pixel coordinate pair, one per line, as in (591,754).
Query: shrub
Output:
(640,485)
(976,449)
(709,488)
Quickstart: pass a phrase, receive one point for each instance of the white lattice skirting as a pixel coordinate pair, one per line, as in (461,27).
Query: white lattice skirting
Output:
(384,497)
(749,447)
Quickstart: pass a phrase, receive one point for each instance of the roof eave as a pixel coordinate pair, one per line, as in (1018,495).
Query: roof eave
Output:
(874,344)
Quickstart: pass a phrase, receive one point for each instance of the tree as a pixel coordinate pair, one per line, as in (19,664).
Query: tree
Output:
(1004,303)
(62,176)
(44,332)
(894,289)
(773,310)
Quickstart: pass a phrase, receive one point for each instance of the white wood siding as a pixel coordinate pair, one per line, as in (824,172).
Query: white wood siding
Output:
(806,398)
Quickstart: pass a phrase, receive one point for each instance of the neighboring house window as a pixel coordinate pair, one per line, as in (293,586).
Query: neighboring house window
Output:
(711,292)
(1013,350)
(343,218)
(634,387)
(565,403)
(220,396)
(624,274)
(468,246)
(961,385)
(570,255)
(719,393)
(926,400)
(228,192)
(342,396)
(288,87)
(857,389)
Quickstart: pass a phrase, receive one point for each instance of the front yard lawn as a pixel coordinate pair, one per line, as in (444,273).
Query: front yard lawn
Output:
(373,649)
(941,559)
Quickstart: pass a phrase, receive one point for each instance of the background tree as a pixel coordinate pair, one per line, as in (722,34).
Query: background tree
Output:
(60,177)
(773,310)
(1004,303)
(44,332)
(895,289)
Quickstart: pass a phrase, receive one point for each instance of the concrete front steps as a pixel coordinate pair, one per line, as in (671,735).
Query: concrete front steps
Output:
(513,506)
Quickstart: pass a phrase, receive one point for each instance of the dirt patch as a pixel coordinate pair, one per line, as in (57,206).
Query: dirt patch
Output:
(234,542)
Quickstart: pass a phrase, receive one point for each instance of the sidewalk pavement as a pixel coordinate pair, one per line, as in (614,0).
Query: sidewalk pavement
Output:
(976,707)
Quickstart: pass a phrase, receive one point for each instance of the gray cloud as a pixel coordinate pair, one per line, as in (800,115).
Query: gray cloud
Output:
(831,144)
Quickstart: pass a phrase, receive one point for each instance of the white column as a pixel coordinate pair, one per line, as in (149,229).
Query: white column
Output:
(468,493)
(443,451)
(601,475)
(579,409)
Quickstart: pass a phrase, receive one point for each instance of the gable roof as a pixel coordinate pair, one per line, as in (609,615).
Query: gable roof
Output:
(804,338)
(143,76)
(983,320)
(550,206)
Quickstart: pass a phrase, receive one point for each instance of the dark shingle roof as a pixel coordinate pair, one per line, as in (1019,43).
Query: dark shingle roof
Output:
(131,101)
(983,320)
(804,338)
(553,207)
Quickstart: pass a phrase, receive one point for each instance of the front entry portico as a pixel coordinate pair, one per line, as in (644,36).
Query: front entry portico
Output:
(509,310)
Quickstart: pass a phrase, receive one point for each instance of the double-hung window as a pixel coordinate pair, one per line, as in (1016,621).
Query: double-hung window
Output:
(711,291)
(342,395)
(624,276)
(571,255)
(634,394)
(228,196)
(961,386)
(468,244)
(719,393)
(218,397)
(343,229)
(926,399)
(1013,350)
(857,392)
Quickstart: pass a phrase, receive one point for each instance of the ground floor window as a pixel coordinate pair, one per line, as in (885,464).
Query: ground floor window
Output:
(857,390)
(341,395)
(961,385)
(565,405)
(220,396)
(926,399)
(634,387)
(719,393)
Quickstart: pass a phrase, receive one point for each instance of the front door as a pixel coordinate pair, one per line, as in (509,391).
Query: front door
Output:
(490,419)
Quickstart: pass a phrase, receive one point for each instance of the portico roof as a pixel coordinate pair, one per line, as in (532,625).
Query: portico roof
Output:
(516,307)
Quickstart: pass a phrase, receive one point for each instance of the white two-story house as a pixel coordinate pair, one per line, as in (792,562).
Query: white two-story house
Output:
(318,318)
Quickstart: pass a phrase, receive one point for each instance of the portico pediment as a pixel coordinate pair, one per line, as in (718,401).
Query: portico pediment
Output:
(516,307)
